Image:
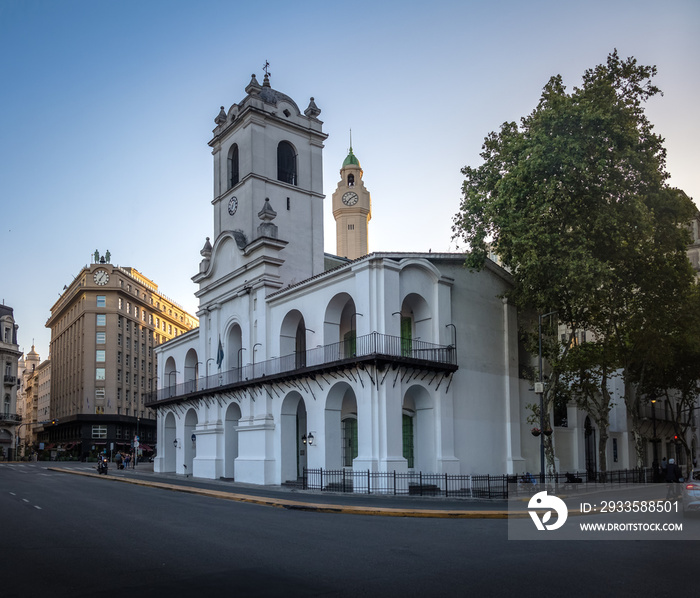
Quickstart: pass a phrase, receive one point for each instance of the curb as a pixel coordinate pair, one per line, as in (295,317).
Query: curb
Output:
(300,505)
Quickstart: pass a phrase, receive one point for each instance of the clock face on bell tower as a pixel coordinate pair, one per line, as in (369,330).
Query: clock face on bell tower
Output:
(352,210)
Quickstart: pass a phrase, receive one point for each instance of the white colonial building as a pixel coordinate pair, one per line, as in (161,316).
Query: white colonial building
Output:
(390,361)
(380,362)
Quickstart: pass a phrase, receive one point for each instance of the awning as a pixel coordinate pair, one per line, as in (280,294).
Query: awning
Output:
(146,447)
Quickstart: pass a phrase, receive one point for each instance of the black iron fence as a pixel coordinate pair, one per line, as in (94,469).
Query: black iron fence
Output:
(463,486)
(369,345)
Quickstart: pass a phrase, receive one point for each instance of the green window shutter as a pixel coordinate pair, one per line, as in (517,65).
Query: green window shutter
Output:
(350,341)
(408,440)
(406,336)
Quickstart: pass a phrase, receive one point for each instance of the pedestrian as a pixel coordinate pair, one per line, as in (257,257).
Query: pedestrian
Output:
(126,461)
(673,477)
(663,467)
(118,460)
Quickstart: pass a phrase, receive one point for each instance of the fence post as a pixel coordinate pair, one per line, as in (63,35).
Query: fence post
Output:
(343,479)
(446,492)
(420,482)
(321,479)
(394,482)
(368,481)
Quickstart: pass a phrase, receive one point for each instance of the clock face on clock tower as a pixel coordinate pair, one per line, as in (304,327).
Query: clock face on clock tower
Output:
(101,277)
(350,198)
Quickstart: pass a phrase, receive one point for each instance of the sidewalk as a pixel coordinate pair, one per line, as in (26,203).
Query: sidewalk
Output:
(307,500)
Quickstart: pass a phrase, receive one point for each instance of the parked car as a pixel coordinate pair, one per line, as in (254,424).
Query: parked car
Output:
(691,493)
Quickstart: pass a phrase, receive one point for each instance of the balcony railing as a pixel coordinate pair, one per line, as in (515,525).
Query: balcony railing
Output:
(11,380)
(12,418)
(373,346)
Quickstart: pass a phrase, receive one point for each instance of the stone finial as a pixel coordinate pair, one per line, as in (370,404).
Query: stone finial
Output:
(267,213)
(267,228)
(221,118)
(206,250)
(253,88)
(313,110)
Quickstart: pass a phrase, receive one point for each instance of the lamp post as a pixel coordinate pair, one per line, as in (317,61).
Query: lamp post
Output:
(655,462)
(354,315)
(539,389)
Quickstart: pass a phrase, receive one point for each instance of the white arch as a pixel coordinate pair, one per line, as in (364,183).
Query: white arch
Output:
(420,405)
(168,443)
(231,419)
(293,419)
(189,447)
(341,402)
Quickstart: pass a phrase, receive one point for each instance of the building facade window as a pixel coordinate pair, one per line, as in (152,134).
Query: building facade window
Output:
(101,338)
(99,373)
(100,355)
(99,432)
(101,301)
(101,319)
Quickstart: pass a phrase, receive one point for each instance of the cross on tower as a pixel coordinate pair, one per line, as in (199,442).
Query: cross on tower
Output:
(266,68)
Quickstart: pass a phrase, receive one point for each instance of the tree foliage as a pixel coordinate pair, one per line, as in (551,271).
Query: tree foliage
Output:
(575,202)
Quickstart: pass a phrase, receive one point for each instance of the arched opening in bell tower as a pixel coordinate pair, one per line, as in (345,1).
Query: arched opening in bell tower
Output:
(286,163)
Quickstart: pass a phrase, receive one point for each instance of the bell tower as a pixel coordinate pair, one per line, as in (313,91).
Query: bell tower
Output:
(352,210)
(267,156)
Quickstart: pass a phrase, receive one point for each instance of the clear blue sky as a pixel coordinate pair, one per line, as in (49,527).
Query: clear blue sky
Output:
(107,108)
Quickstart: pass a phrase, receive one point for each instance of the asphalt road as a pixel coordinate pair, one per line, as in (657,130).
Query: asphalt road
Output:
(67,535)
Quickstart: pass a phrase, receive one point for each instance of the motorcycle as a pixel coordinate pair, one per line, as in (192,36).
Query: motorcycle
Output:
(102,465)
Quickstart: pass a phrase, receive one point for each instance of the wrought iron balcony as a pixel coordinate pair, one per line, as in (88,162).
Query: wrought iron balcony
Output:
(11,418)
(380,349)
(10,380)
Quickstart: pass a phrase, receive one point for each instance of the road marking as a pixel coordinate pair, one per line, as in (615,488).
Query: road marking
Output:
(36,507)
(25,500)
(13,494)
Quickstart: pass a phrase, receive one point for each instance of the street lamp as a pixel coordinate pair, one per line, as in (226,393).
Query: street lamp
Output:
(539,389)
(354,316)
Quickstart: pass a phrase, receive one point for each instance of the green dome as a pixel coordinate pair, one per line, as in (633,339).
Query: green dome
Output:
(351,159)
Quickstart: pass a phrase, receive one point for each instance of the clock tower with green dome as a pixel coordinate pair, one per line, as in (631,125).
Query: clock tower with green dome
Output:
(352,209)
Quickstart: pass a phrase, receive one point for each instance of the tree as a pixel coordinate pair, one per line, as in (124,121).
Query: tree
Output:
(575,203)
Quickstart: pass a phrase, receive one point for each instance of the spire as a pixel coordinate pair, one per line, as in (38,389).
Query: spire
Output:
(266,79)
(351,159)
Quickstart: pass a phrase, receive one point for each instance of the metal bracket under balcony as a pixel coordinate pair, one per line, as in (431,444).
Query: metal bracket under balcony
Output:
(380,350)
